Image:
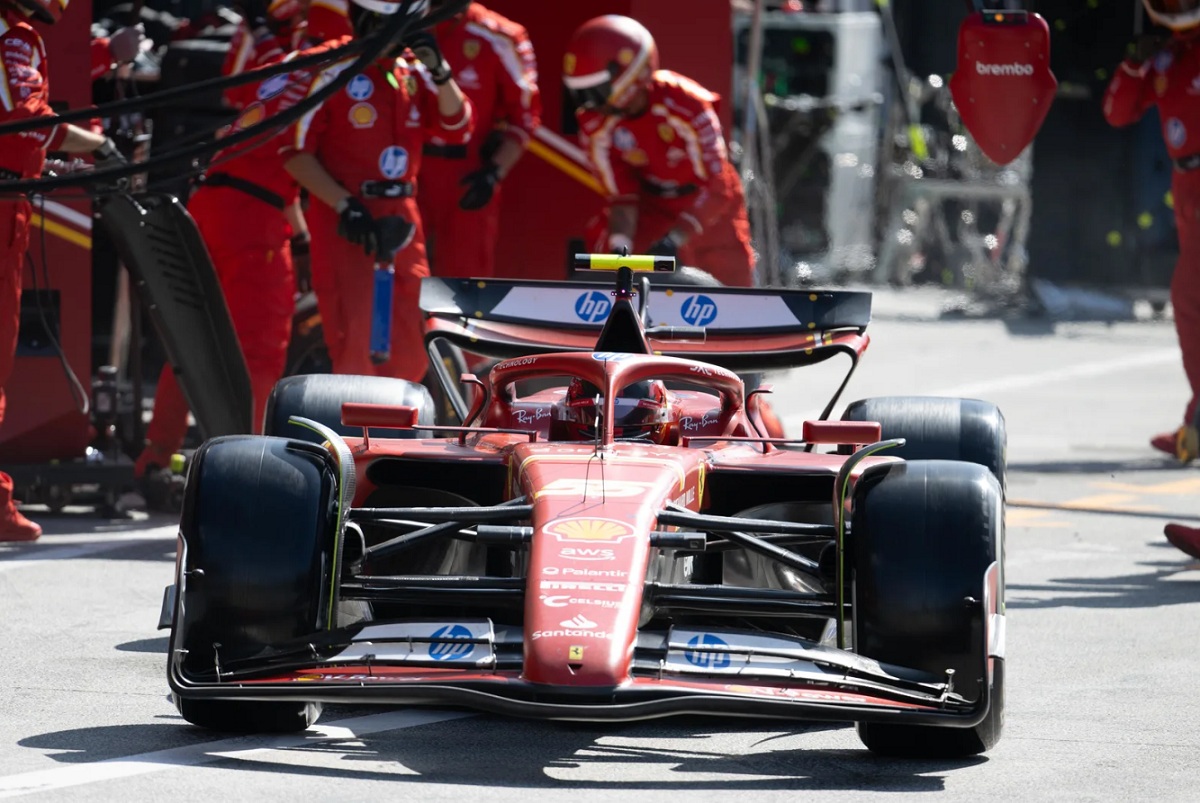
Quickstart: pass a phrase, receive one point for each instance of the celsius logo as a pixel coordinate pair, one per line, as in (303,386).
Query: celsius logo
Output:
(592,307)
(450,651)
(1003,69)
(698,310)
(708,660)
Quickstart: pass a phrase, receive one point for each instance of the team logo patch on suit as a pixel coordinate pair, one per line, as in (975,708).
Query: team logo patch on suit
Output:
(637,157)
(1176,133)
(360,87)
(362,115)
(624,140)
(252,115)
(468,78)
(666,133)
(410,84)
(1160,84)
(272,86)
(393,161)
(471,48)
(1163,60)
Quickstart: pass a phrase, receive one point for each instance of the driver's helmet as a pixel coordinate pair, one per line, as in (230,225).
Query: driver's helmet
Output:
(642,412)
(1178,15)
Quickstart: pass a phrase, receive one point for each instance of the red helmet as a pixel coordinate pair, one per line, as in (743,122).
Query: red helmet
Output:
(642,412)
(47,11)
(608,59)
(1178,15)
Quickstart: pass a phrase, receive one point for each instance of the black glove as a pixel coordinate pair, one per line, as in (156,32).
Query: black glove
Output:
(426,49)
(301,263)
(666,247)
(481,185)
(395,234)
(356,225)
(109,155)
(1146,47)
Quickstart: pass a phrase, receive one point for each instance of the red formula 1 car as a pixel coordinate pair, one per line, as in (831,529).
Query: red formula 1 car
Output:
(610,535)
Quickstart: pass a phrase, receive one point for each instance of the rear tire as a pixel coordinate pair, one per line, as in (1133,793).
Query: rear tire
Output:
(939,428)
(259,535)
(319,397)
(923,538)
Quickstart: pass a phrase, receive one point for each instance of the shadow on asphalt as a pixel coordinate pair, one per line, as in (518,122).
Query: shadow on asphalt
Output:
(76,523)
(151,645)
(490,751)
(1146,590)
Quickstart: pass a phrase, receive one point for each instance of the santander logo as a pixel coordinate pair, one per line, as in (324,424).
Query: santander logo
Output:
(1003,69)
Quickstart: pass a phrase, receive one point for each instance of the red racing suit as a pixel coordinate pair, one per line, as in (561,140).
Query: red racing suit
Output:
(494,65)
(249,50)
(672,162)
(1172,81)
(238,209)
(24,94)
(369,136)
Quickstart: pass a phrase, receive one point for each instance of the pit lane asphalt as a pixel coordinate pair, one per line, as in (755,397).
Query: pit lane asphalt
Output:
(1103,630)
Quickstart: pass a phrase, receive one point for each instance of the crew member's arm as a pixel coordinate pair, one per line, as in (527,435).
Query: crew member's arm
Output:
(1130,93)
(520,101)
(299,144)
(618,180)
(519,110)
(23,96)
(450,120)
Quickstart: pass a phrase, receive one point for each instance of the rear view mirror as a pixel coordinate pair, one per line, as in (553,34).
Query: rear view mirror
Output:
(1003,86)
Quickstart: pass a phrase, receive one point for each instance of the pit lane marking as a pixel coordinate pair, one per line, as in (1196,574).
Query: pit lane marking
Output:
(65,547)
(207,752)
(1099,368)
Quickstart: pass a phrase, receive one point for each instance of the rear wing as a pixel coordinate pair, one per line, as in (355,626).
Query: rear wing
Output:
(746,330)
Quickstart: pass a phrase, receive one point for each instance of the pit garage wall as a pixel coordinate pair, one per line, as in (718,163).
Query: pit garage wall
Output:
(41,418)
(694,38)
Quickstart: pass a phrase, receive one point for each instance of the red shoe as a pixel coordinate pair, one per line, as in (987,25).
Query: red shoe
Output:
(15,527)
(1185,539)
(1182,444)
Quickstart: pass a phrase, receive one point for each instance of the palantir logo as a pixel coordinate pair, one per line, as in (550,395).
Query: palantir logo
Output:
(450,651)
(706,660)
(592,307)
(698,310)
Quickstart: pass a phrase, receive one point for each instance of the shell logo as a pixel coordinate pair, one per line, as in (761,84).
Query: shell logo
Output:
(589,530)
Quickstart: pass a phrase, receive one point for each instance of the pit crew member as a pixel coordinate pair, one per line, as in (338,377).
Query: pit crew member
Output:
(1166,77)
(358,154)
(656,145)
(246,209)
(25,94)
(494,64)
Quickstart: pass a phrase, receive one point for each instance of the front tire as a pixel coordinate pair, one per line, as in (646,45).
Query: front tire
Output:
(259,548)
(927,538)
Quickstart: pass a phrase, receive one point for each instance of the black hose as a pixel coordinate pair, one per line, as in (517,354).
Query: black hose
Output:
(391,31)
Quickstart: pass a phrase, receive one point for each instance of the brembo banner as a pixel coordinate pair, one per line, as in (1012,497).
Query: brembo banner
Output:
(1003,86)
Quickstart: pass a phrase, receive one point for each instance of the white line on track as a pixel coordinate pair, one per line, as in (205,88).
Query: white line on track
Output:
(193,755)
(1020,381)
(63,547)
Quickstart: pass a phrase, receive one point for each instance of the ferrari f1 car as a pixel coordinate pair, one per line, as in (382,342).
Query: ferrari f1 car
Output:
(610,534)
